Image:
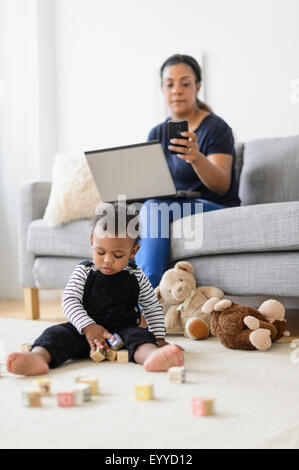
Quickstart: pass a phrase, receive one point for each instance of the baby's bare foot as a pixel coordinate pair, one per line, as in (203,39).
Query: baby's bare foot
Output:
(164,358)
(26,364)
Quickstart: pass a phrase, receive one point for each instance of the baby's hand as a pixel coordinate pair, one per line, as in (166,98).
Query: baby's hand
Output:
(96,336)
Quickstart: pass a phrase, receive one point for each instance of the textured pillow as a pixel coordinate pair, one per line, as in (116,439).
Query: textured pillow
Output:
(73,193)
(270,171)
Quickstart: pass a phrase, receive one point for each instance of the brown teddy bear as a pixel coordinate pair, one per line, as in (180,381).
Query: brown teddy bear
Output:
(240,327)
(182,301)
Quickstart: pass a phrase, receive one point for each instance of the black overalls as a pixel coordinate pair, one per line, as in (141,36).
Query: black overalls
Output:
(112,302)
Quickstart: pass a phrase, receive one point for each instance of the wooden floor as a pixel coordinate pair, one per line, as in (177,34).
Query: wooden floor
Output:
(50,310)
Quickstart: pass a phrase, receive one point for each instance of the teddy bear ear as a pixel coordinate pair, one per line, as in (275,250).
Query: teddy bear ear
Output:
(158,293)
(184,265)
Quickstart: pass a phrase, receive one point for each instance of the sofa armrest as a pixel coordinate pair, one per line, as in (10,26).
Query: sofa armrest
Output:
(32,203)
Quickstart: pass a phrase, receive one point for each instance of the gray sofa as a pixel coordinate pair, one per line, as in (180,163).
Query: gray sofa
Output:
(248,250)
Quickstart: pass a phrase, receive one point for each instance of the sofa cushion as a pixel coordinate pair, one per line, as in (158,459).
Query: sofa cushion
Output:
(263,227)
(266,274)
(68,240)
(53,272)
(270,171)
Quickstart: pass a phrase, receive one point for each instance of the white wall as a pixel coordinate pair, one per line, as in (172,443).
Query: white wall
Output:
(109,53)
(83,74)
(27,118)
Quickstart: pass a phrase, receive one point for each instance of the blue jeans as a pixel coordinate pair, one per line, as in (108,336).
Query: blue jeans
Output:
(153,254)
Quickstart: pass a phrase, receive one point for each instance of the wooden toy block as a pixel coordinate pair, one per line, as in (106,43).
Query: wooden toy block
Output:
(115,343)
(31,398)
(99,355)
(90,381)
(66,399)
(144,392)
(82,393)
(177,375)
(202,407)
(111,355)
(123,356)
(44,386)
(26,347)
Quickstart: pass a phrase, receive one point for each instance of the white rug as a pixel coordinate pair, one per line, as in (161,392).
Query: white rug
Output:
(256,397)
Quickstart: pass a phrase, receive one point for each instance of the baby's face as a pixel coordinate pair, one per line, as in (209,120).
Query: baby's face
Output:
(110,255)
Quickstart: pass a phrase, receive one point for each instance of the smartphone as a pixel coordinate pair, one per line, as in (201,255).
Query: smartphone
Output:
(174,132)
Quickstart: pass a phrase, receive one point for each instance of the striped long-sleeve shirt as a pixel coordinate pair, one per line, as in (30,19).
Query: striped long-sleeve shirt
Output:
(72,300)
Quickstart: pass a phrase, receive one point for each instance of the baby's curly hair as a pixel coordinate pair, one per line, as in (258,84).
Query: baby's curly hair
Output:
(117,219)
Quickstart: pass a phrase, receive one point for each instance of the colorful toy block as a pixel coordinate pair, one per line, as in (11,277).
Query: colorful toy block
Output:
(144,392)
(111,355)
(115,343)
(31,397)
(123,356)
(82,393)
(44,386)
(202,407)
(65,399)
(177,375)
(98,355)
(90,381)
(26,347)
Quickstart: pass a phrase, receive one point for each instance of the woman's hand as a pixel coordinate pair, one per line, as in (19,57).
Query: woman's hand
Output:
(96,336)
(190,152)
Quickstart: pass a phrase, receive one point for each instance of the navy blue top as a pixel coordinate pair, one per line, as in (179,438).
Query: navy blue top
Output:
(213,136)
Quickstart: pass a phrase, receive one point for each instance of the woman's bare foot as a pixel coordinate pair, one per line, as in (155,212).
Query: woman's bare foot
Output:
(26,364)
(164,358)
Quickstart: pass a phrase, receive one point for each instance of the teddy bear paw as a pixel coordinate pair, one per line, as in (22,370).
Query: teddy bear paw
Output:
(261,339)
(196,328)
(208,306)
(223,305)
(251,322)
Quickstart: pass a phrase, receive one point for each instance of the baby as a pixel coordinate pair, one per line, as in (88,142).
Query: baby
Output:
(101,298)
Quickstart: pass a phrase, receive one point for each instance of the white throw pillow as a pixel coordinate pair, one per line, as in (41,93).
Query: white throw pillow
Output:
(73,194)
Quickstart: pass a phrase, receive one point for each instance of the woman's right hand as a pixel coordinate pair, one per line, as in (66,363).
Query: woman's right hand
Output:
(96,336)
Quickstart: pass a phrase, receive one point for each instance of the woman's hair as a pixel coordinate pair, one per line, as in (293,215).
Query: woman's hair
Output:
(187,60)
(117,218)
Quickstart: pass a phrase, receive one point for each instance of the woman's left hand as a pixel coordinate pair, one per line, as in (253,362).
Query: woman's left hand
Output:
(190,152)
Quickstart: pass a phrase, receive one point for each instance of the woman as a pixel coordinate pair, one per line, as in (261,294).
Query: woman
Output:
(206,165)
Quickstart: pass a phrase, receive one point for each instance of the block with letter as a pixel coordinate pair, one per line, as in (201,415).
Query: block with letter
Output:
(44,386)
(177,375)
(66,398)
(115,343)
(98,355)
(90,381)
(31,397)
(202,407)
(26,347)
(144,392)
(111,355)
(82,393)
(123,356)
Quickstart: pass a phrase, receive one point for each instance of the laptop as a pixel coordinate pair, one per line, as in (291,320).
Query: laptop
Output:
(138,171)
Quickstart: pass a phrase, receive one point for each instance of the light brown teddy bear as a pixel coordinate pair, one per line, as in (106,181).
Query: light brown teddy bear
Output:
(242,327)
(182,301)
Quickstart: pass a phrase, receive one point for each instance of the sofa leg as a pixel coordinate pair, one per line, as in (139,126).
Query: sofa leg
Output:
(31,299)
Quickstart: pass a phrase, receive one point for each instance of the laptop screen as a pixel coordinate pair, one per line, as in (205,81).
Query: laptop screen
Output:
(137,171)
